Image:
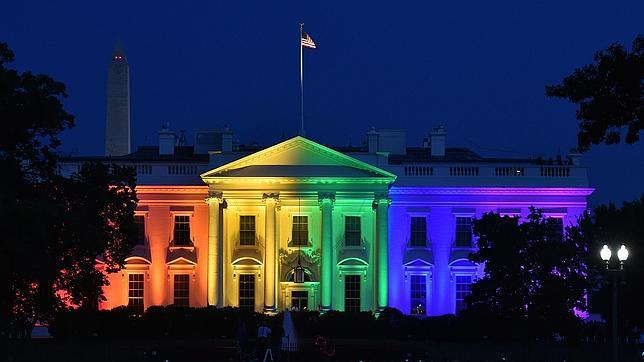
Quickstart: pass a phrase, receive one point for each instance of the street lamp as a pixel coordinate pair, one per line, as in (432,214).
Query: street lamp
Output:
(622,254)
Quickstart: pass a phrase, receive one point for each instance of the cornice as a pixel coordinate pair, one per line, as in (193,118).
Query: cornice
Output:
(172,189)
(545,191)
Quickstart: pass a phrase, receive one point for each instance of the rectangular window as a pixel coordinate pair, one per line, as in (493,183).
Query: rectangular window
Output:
(139,222)
(558,225)
(464,232)
(352,230)
(182,290)
(135,293)
(247,292)
(300,299)
(418,231)
(247,230)
(300,230)
(418,294)
(463,289)
(182,230)
(352,293)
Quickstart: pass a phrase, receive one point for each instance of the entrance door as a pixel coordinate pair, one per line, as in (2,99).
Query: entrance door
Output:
(300,299)
(247,292)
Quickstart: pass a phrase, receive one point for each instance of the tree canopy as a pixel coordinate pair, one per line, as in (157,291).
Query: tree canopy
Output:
(615,226)
(52,228)
(609,94)
(534,273)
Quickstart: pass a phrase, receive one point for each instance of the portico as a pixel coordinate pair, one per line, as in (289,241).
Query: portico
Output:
(297,200)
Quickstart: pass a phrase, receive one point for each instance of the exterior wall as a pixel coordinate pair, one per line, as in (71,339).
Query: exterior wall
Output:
(441,260)
(438,191)
(159,205)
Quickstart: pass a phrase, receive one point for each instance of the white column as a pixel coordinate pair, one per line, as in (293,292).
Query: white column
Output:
(381,204)
(270,260)
(326,283)
(214,200)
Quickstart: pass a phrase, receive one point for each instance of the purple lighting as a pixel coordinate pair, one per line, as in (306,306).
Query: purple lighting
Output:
(442,261)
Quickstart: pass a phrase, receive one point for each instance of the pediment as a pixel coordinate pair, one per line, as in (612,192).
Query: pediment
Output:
(186,256)
(462,263)
(418,263)
(298,157)
(353,262)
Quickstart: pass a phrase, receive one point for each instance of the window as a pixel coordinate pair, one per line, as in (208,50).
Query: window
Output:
(247,292)
(291,275)
(418,231)
(463,289)
(247,230)
(182,230)
(300,299)
(418,294)
(352,293)
(300,230)
(139,222)
(464,232)
(135,293)
(558,225)
(182,290)
(352,230)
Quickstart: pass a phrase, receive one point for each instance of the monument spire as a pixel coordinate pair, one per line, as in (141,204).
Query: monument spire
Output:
(117,128)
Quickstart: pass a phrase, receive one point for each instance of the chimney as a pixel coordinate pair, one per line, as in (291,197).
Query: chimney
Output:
(227,140)
(167,141)
(437,139)
(574,158)
(372,140)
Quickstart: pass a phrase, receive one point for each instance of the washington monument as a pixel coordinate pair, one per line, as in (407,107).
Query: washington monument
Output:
(117,130)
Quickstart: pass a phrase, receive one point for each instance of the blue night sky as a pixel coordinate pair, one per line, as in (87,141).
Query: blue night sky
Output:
(480,68)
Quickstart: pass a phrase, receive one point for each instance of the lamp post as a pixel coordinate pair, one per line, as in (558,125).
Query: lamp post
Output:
(622,255)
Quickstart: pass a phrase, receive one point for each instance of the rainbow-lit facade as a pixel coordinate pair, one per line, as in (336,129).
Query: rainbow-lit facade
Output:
(373,226)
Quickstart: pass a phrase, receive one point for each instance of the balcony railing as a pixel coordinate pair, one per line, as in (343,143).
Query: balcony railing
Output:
(493,172)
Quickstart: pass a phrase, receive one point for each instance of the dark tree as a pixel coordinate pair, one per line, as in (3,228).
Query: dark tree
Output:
(610,95)
(52,229)
(534,274)
(615,226)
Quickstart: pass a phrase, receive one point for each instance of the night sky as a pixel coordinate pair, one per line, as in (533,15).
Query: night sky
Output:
(480,68)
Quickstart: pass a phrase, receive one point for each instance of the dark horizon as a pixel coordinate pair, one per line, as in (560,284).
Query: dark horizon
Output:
(481,72)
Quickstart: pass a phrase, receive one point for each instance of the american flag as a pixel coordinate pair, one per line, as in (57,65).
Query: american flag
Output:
(307,42)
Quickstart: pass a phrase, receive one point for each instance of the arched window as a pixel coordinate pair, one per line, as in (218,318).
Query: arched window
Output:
(307,275)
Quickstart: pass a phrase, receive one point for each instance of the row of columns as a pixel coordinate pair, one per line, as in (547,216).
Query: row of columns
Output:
(271,202)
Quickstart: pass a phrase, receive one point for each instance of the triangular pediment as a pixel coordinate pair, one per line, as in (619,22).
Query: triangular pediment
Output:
(418,263)
(298,157)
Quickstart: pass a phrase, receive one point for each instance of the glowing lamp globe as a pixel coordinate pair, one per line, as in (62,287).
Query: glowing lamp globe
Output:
(622,253)
(605,253)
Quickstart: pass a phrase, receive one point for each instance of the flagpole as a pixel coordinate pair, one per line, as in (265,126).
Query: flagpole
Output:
(302,133)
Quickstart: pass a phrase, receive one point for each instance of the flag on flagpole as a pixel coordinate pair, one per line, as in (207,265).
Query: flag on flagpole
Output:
(307,42)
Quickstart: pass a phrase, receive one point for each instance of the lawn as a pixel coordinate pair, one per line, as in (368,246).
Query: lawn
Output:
(176,350)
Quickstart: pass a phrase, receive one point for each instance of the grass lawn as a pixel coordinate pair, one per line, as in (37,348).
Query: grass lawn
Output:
(175,350)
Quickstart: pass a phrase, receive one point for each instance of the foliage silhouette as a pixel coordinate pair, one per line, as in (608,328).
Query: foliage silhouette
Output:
(52,228)
(609,94)
(535,276)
